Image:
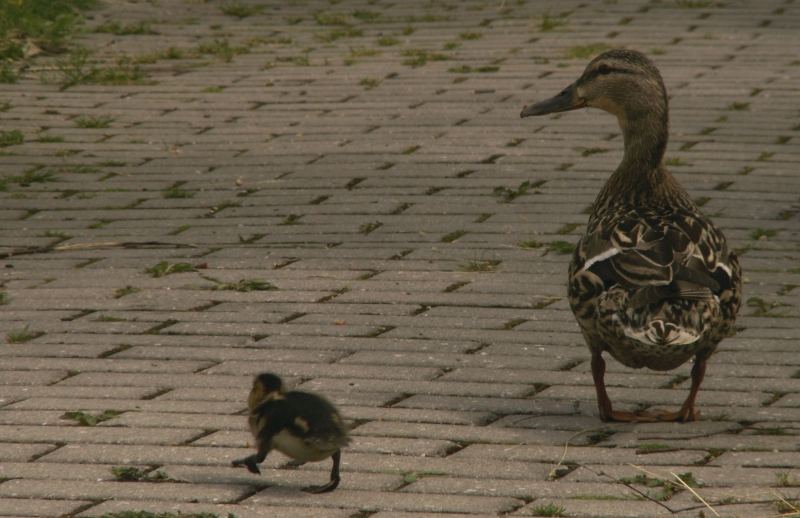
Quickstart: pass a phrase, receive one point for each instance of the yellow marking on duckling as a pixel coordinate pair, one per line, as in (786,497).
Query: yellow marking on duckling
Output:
(302,424)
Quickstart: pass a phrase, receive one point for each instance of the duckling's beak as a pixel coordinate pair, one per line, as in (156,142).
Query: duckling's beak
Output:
(567,100)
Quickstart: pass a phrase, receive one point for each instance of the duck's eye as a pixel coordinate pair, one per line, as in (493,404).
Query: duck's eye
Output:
(603,69)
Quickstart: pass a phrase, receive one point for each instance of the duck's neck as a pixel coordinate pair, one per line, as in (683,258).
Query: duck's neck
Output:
(645,142)
(641,178)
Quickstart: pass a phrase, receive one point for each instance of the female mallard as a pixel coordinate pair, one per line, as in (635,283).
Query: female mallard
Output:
(652,281)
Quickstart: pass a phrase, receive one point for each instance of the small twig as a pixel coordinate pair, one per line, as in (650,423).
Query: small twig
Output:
(629,486)
(554,472)
(695,493)
(787,504)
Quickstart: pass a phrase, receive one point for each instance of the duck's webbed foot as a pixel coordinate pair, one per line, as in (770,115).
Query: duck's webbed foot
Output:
(330,486)
(684,415)
(250,462)
(628,417)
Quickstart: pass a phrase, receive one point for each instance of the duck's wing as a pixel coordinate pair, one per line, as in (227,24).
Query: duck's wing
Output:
(317,422)
(679,256)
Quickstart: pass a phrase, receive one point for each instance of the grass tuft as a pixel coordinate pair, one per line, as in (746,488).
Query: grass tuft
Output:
(120,29)
(11,138)
(586,51)
(94,122)
(419,57)
(164,268)
(240,11)
(549,23)
(548,510)
(245,285)
(133,474)
(127,290)
(23,335)
(86,419)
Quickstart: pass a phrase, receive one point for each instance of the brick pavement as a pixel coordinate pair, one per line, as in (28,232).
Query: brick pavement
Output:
(365,158)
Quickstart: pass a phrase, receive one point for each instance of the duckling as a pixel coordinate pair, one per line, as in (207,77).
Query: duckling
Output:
(652,281)
(303,426)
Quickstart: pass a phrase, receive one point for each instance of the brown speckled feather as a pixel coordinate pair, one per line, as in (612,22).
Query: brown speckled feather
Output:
(655,285)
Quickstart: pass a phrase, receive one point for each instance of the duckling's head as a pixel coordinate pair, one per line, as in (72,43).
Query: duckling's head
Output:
(622,82)
(266,387)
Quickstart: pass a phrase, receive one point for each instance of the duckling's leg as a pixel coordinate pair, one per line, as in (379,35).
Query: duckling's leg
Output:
(330,486)
(251,462)
(604,402)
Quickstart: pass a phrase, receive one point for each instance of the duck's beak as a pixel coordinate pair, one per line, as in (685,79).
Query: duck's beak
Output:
(567,100)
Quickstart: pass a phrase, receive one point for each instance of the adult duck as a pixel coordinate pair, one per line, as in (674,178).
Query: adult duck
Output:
(652,281)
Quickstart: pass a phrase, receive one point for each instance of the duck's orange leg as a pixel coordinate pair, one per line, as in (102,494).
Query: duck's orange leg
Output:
(687,411)
(607,413)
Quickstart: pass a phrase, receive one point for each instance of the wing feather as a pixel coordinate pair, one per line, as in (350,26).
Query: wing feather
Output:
(681,256)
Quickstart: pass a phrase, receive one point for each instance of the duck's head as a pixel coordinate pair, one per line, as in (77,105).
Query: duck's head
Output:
(266,386)
(622,82)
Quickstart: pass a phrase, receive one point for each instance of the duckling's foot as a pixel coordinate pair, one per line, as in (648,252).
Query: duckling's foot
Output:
(249,462)
(330,486)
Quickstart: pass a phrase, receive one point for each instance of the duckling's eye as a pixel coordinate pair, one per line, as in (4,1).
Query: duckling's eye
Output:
(603,69)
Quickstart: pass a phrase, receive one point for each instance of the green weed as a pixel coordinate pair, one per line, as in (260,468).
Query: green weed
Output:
(763,234)
(127,290)
(466,69)
(241,11)
(586,51)
(164,268)
(548,510)
(480,266)
(387,41)
(419,57)
(367,228)
(86,419)
(560,247)
(176,192)
(23,335)
(46,23)
(120,29)
(339,33)
(366,16)
(11,138)
(369,83)
(132,474)
(324,18)
(222,49)
(94,122)
(244,285)
(508,195)
(548,23)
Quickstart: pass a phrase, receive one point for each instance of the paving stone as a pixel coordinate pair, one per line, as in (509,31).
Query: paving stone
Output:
(20,452)
(576,454)
(262,510)
(39,506)
(391,501)
(86,434)
(73,490)
(138,454)
(598,508)
(48,471)
(375,197)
